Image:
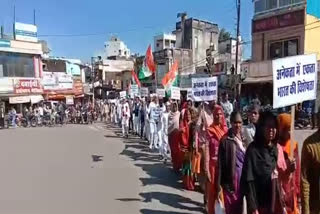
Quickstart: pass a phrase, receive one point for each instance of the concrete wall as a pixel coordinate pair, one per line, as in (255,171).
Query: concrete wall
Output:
(312,29)
(113,47)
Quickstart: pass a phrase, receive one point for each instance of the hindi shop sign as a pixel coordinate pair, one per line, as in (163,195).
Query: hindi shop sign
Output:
(175,93)
(204,89)
(294,80)
(27,86)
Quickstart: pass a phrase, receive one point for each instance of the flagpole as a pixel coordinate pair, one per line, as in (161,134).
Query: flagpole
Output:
(156,78)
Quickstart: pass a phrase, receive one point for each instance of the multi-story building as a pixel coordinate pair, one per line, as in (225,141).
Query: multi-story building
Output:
(116,48)
(21,67)
(164,41)
(280,28)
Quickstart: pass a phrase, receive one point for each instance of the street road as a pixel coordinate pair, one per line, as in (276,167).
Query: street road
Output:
(82,169)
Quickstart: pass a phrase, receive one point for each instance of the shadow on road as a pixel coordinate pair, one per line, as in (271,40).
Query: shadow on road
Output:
(158,174)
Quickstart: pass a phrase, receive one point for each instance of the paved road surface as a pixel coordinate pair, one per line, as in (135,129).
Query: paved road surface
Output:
(59,170)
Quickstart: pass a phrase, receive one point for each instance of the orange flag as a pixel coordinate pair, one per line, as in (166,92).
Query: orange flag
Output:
(169,78)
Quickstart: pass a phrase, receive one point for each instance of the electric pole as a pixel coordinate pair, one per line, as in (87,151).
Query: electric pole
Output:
(238,34)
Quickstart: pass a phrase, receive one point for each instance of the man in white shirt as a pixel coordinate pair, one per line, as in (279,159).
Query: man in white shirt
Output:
(154,118)
(227,107)
(250,130)
(125,119)
(164,147)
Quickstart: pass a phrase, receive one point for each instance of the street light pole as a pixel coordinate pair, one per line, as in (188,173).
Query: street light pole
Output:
(93,79)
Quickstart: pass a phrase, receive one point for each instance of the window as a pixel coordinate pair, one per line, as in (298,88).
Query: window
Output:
(16,65)
(158,45)
(228,48)
(119,52)
(272,4)
(196,42)
(284,48)
(167,43)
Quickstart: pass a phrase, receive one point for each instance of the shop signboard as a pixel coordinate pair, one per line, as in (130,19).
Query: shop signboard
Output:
(25,32)
(77,86)
(27,86)
(57,81)
(161,92)
(175,93)
(294,80)
(144,92)
(204,89)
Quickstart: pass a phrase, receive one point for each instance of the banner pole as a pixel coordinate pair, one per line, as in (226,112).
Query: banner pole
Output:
(293,110)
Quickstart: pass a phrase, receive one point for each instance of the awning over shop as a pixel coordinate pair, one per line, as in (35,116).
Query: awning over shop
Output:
(250,80)
(26,99)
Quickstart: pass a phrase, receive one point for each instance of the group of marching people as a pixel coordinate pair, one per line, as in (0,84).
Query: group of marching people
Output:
(239,168)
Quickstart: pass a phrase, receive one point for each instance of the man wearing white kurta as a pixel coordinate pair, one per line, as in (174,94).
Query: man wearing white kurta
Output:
(164,147)
(125,119)
(154,118)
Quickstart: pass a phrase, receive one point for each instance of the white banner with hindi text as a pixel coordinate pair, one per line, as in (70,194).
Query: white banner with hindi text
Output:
(294,80)
(204,89)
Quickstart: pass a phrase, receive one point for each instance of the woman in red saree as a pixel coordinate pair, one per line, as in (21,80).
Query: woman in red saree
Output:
(186,142)
(174,137)
(214,134)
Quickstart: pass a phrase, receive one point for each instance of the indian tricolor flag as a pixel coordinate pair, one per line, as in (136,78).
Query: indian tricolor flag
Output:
(171,77)
(149,66)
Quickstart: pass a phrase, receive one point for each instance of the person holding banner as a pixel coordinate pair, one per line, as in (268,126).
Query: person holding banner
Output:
(289,170)
(215,132)
(205,119)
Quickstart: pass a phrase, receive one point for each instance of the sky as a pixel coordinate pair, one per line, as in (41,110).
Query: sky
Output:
(79,28)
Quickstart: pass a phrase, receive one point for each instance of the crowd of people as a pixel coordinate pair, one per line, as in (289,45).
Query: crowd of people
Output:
(240,168)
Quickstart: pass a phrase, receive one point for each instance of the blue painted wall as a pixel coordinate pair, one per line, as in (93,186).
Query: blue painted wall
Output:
(313,8)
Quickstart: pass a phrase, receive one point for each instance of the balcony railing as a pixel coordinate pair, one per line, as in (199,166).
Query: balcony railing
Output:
(265,6)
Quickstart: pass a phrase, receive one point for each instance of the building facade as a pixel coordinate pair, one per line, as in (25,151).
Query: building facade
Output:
(280,28)
(164,41)
(116,48)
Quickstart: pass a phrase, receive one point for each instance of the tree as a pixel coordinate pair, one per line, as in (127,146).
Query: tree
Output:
(224,35)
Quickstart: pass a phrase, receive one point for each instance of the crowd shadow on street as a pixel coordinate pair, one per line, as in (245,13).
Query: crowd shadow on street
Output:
(158,173)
